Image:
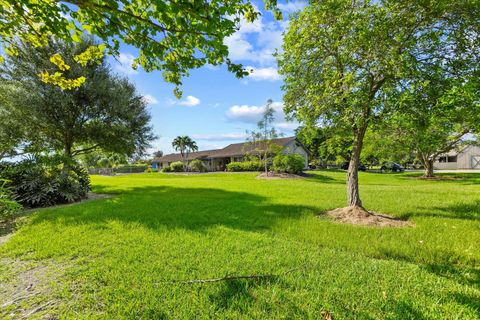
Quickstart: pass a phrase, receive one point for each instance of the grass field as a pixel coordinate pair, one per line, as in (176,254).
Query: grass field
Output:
(126,256)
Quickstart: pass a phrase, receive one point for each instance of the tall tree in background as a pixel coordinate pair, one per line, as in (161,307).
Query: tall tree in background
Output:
(436,113)
(157,154)
(106,113)
(341,56)
(172,36)
(185,145)
(12,132)
(261,140)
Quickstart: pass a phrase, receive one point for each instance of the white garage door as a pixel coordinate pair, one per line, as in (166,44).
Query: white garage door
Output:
(476,162)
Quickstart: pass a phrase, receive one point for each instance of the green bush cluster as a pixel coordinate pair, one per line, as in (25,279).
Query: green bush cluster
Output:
(150,170)
(245,166)
(167,169)
(40,182)
(177,166)
(197,166)
(8,206)
(289,163)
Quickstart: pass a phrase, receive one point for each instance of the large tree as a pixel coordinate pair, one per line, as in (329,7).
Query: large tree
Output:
(106,112)
(12,132)
(172,36)
(436,112)
(341,56)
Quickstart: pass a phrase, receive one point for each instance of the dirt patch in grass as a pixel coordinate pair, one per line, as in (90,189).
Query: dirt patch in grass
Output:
(360,216)
(28,292)
(275,175)
(439,178)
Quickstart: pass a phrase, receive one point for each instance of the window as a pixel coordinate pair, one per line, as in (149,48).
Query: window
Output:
(452,159)
(442,159)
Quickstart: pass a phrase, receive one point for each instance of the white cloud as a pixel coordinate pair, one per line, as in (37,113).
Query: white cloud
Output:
(245,113)
(291,6)
(259,74)
(124,64)
(149,99)
(256,41)
(220,136)
(252,114)
(189,101)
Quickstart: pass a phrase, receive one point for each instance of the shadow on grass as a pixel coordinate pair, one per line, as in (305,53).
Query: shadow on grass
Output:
(470,178)
(462,211)
(189,208)
(316,177)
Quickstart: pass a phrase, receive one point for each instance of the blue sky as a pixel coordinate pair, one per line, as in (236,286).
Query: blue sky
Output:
(217,108)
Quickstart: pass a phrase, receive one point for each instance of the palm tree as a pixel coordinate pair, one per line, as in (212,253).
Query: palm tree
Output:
(185,145)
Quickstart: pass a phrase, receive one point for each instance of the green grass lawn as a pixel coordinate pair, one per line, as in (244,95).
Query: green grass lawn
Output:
(124,257)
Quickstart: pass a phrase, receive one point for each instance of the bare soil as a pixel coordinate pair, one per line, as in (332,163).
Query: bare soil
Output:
(360,216)
(29,293)
(439,178)
(275,175)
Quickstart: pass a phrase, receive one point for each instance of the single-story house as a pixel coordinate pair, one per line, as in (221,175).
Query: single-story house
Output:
(467,157)
(217,159)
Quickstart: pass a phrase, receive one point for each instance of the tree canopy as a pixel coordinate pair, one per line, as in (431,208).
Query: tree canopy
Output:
(342,57)
(172,37)
(106,112)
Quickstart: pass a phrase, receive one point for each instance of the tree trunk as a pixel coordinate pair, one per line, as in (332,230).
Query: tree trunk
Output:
(428,172)
(352,175)
(68,146)
(265,164)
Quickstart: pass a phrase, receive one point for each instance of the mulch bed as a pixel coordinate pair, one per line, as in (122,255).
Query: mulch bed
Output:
(360,216)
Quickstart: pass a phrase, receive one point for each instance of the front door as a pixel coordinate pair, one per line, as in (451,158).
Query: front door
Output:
(476,162)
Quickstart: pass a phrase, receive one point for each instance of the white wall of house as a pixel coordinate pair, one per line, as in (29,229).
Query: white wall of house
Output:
(293,147)
(445,165)
(468,158)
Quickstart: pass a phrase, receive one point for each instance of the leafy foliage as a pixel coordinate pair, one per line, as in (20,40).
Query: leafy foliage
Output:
(245,166)
(172,37)
(167,169)
(177,166)
(289,163)
(197,166)
(41,181)
(342,58)
(261,141)
(8,206)
(106,112)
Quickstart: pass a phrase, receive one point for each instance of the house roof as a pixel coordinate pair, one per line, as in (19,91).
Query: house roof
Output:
(232,150)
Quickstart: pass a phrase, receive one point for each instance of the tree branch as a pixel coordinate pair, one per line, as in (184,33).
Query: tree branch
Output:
(81,3)
(83,151)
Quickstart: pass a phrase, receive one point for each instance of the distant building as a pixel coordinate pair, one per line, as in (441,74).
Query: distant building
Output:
(217,160)
(468,157)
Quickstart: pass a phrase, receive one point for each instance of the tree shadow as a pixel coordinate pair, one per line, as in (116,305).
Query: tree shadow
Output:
(196,209)
(469,300)
(470,178)
(317,177)
(463,275)
(463,211)
(238,292)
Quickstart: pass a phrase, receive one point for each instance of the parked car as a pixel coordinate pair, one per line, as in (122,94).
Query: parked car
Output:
(345,165)
(392,166)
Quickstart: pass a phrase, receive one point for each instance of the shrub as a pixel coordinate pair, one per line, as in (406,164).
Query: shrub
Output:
(289,163)
(39,182)
(150,170)
(245,166)
(197,166)
(8,206)
(167,169)
(177,166)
